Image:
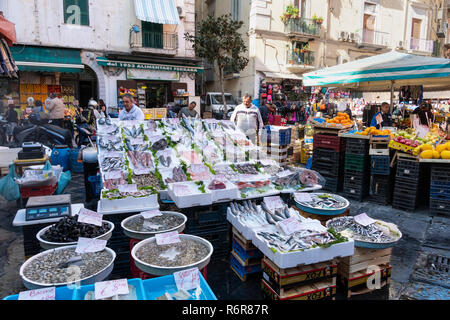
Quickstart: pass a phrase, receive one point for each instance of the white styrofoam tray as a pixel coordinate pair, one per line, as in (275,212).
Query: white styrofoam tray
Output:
(313,188)
(306,257)
(230,193)
(130,203)
(244,230)
(190,200)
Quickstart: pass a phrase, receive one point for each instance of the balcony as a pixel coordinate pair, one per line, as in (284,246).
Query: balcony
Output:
(422,45)
(165,43)
(302,27)
(230,73)
(374,39)
(299,60)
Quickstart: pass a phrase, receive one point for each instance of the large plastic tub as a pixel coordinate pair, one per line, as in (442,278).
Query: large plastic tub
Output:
(61,156)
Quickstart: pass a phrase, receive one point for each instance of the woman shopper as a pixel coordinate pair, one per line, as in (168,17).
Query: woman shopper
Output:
(12,118)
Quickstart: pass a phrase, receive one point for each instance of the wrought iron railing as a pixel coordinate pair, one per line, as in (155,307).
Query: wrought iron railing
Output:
(158,40)
(376,37)
(300,58)
(303,26)
(423,45)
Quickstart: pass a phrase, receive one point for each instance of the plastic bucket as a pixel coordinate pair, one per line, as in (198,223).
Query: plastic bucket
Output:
(61,156)
(75,165)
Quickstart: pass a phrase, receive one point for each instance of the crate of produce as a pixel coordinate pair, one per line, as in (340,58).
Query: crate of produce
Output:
(332,142)
(281,280)
(402,147)
(323,290)
(440,207)
(326,155)
(408,169)
(379,165)
(356,162)
(27,192)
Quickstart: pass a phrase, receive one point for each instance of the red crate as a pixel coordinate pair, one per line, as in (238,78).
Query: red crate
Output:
(137,273)
(335,143)
(27,192)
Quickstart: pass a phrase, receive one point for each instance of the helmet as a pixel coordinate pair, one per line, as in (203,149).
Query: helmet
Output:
(92,103)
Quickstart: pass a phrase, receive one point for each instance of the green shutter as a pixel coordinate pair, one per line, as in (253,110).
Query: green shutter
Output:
(70,16)
(152,35)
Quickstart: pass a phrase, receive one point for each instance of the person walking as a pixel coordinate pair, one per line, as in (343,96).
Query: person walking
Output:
(248,119)
(56,110)
(188,111)
(130,111)
(13,119)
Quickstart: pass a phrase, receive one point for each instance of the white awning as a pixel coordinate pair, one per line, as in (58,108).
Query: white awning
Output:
(278,75)
(157,11)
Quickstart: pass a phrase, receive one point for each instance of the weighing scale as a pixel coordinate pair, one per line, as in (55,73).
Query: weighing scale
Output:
(39,208)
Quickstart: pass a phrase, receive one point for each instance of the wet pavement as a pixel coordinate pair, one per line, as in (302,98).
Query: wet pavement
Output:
(420,261)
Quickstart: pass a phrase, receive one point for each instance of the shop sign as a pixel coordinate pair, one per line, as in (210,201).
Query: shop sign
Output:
(139,74)
(146,66)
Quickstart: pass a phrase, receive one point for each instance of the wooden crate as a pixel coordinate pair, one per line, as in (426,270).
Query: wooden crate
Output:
(362,259)
(322,218)
(207,115)
(246,244)
(324,290)
(282,280)
(334,131)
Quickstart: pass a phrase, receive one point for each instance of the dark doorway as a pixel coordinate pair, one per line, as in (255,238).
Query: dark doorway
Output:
(88,90)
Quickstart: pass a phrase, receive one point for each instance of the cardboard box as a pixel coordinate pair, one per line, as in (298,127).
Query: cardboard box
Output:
(207,115)
(160,113)
(324,290)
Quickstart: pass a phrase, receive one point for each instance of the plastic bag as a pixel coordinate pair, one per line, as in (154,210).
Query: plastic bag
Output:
(63,182)
(9,189)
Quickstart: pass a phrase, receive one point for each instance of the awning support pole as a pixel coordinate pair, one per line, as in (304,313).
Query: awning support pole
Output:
(392,96)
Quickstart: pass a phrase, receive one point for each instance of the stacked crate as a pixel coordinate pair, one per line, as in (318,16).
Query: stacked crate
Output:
(440,189)
(356,173)
(306,282)
(381,179)
(328,160)
(210,223)
(276,141)
(359,274)
(407,181)
(245,258)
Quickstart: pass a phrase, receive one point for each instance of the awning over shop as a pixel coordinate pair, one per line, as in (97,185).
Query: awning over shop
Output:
(277,75)
(157,11)
(102,61)
(47,59)
(8,31)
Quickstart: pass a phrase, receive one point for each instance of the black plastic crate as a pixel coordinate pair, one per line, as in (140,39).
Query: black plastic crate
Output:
(328,169)
(358,177)
(327,155)
(402,205)
(380,189)
(380,165)
(333,184)
(406,184)
(440,190)
(440,207)
(440,173)
(357,146)
(354,194)
(203,219)
(408,169)
(219,238)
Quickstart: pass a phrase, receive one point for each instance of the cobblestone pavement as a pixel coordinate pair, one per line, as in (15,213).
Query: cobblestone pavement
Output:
(420,261)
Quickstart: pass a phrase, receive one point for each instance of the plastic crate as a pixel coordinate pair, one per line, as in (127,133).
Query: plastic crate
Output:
(380,189)
(353,176)
(333,184)
(276,135)
(440,190)
(356,162)
(406,184)
(440,207)
(219,239)
(75,165)
(96,184)
(327,168)
(27,192)
(332,142)
(379,165)
(203,219)
(357,146)
(326,155)
(243,270)
(440,173)
(408,169)
(246,254)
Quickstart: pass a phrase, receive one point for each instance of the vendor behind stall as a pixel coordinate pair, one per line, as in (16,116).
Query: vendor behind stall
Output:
(130,110)
(426,117)
(382,118)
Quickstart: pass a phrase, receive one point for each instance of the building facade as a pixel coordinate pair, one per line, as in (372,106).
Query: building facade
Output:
(321,33)
(104,48)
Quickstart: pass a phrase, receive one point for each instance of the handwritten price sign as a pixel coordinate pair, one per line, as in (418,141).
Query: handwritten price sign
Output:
(167,238)
(274,202)
(150,214)
(39,294)
(90,217)
(364,220)
(290,225)
(85,245)
(302,197)
(128,188)
(108,289)
(141,171)
(135,141)
(187,279)
(113,154)
(113,175)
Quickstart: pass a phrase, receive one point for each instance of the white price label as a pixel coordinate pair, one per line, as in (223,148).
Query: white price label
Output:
(113,175)
(173,120)
(167,238)
(113,154)
(406,171)
(141,171)
(128,188)
(364,220)
(181,190)
(109,129)
(274,202)
(284,173)
(187,279)
(290,225)
(267,162)
(136,141)
(150,214)
(108,289)
(130,123)
(302,197)
(379,118)
(85,245)
(38,294)
(90,217)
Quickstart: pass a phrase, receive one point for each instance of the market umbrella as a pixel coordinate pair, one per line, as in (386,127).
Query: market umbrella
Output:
(384,72)
(8,31)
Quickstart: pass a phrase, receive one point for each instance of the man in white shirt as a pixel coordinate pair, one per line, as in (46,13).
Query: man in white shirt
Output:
(130,111)
(248,119)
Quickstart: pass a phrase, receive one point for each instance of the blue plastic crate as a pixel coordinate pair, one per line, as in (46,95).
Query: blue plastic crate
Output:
(379,165)
(75,166)
(96,184)
(137,283)
(246,254)
(156,287)
(61,293)
(243,270)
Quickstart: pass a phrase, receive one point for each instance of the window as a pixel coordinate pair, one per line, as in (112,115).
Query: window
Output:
(301,5)
(76,12)
(236,10)
(152,35)
(370,7)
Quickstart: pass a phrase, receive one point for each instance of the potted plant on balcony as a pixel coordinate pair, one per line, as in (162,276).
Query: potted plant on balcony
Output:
(290,13)
(318,20)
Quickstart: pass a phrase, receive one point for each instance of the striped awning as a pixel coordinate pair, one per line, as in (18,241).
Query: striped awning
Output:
(392,66)
(157,11)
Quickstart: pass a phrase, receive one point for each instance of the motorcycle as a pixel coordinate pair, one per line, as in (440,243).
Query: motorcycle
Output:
(85,136)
